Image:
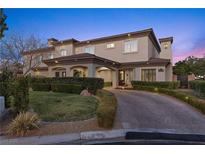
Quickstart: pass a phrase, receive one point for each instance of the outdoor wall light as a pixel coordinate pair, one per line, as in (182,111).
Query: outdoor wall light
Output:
(56,61)
(166,45)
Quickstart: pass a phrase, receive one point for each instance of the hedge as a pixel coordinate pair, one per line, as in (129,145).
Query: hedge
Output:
(107,109)
(41,87)
(20,95)
(66,88)
(107,84)
(156,84)
(193,101)
(198,86)
(92,84)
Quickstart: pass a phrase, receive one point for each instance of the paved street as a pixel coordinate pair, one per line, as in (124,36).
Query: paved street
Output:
(144,110)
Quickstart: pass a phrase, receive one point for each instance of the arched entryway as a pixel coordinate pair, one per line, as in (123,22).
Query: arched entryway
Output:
(79,71)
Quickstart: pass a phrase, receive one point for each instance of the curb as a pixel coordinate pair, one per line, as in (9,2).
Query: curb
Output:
(129,134)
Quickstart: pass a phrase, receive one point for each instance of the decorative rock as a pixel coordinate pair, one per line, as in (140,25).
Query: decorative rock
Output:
(85,92)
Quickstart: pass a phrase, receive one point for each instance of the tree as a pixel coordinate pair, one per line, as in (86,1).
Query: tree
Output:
(190,65)
(3,25)
(11,49)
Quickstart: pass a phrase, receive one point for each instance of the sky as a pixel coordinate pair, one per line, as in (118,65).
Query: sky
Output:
(187,26)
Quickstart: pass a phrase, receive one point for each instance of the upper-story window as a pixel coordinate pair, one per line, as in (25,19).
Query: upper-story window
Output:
(39,59)
(131,46)
(50,56)
(90,50)
(63,52)
(110,45)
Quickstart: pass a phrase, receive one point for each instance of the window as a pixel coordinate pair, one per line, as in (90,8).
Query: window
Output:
(63,74)
(130,46)
(148,75)
(110,45)
(39,59)
(50,56)
(90,50)
(57,74)
(63,52)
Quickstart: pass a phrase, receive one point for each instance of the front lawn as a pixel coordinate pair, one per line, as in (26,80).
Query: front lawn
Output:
(52,106)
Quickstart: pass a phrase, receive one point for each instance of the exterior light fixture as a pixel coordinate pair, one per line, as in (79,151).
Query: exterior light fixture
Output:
(56,61)
(166,45)
(129,34)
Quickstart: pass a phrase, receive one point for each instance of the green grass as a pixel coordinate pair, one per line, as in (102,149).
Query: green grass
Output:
(52,106)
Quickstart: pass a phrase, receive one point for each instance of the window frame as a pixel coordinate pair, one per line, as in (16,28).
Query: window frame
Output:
(62,51)
(149,74)
(132,47)
(89,47)
(109,45)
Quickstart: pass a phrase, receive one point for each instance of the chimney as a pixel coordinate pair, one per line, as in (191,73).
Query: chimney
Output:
(166,47)
(52,41)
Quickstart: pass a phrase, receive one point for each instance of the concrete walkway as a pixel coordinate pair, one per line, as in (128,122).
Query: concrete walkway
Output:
(144,110)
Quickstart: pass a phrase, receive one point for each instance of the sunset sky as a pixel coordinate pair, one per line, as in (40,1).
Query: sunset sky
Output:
(187,26)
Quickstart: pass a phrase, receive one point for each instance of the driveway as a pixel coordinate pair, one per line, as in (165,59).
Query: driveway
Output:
(150,111)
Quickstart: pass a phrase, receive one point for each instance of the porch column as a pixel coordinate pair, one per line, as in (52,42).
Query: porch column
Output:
(91,70)
(115,78)
(68,72)
(49,72)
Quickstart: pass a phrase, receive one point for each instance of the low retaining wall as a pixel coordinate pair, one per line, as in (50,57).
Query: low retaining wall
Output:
(2,106)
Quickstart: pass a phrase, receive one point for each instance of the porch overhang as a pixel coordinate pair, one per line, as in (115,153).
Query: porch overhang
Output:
(84,58)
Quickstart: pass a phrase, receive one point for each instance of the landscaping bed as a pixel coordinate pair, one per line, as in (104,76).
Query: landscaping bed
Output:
(52,106)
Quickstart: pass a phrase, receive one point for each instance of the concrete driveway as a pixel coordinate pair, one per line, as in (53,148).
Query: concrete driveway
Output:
(155,112)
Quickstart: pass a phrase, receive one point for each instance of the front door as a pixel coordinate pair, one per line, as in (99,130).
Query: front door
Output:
(121,77)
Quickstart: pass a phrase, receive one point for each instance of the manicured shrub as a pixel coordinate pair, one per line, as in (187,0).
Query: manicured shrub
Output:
(20,95)
(107,109)
(41,87)
(198,86)
(161,84)
(92,84)
(23,123)
(6,87)
(107,84)
(66,88)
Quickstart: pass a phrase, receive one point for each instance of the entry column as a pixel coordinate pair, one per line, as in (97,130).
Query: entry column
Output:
(115,78)
(91,70)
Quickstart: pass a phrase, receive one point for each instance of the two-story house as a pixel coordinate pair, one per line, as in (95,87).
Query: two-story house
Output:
(118,59)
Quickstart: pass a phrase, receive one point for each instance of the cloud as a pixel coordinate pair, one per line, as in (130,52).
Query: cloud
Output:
(197,49)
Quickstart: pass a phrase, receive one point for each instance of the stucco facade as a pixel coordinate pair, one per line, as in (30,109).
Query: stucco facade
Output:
(118,59)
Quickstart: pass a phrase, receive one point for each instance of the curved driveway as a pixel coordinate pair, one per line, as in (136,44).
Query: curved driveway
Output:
(150,111)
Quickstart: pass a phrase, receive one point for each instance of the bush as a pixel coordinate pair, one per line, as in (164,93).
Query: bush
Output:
(198,86)
(107,109)
(161,84)
(66,88)
(107,84)
(23,123)
(193,101)
(41,87)
(6,79)
(20,95)
(92,84)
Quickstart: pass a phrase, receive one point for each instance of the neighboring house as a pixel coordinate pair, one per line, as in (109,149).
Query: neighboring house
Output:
(118,59)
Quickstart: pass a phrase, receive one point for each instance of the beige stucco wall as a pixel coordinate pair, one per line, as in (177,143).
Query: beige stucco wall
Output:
(117,53)
(152,51)
(105,74)
(166,53)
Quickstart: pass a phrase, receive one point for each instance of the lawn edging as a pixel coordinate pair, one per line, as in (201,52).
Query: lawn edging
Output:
(191,100)
(107,108)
